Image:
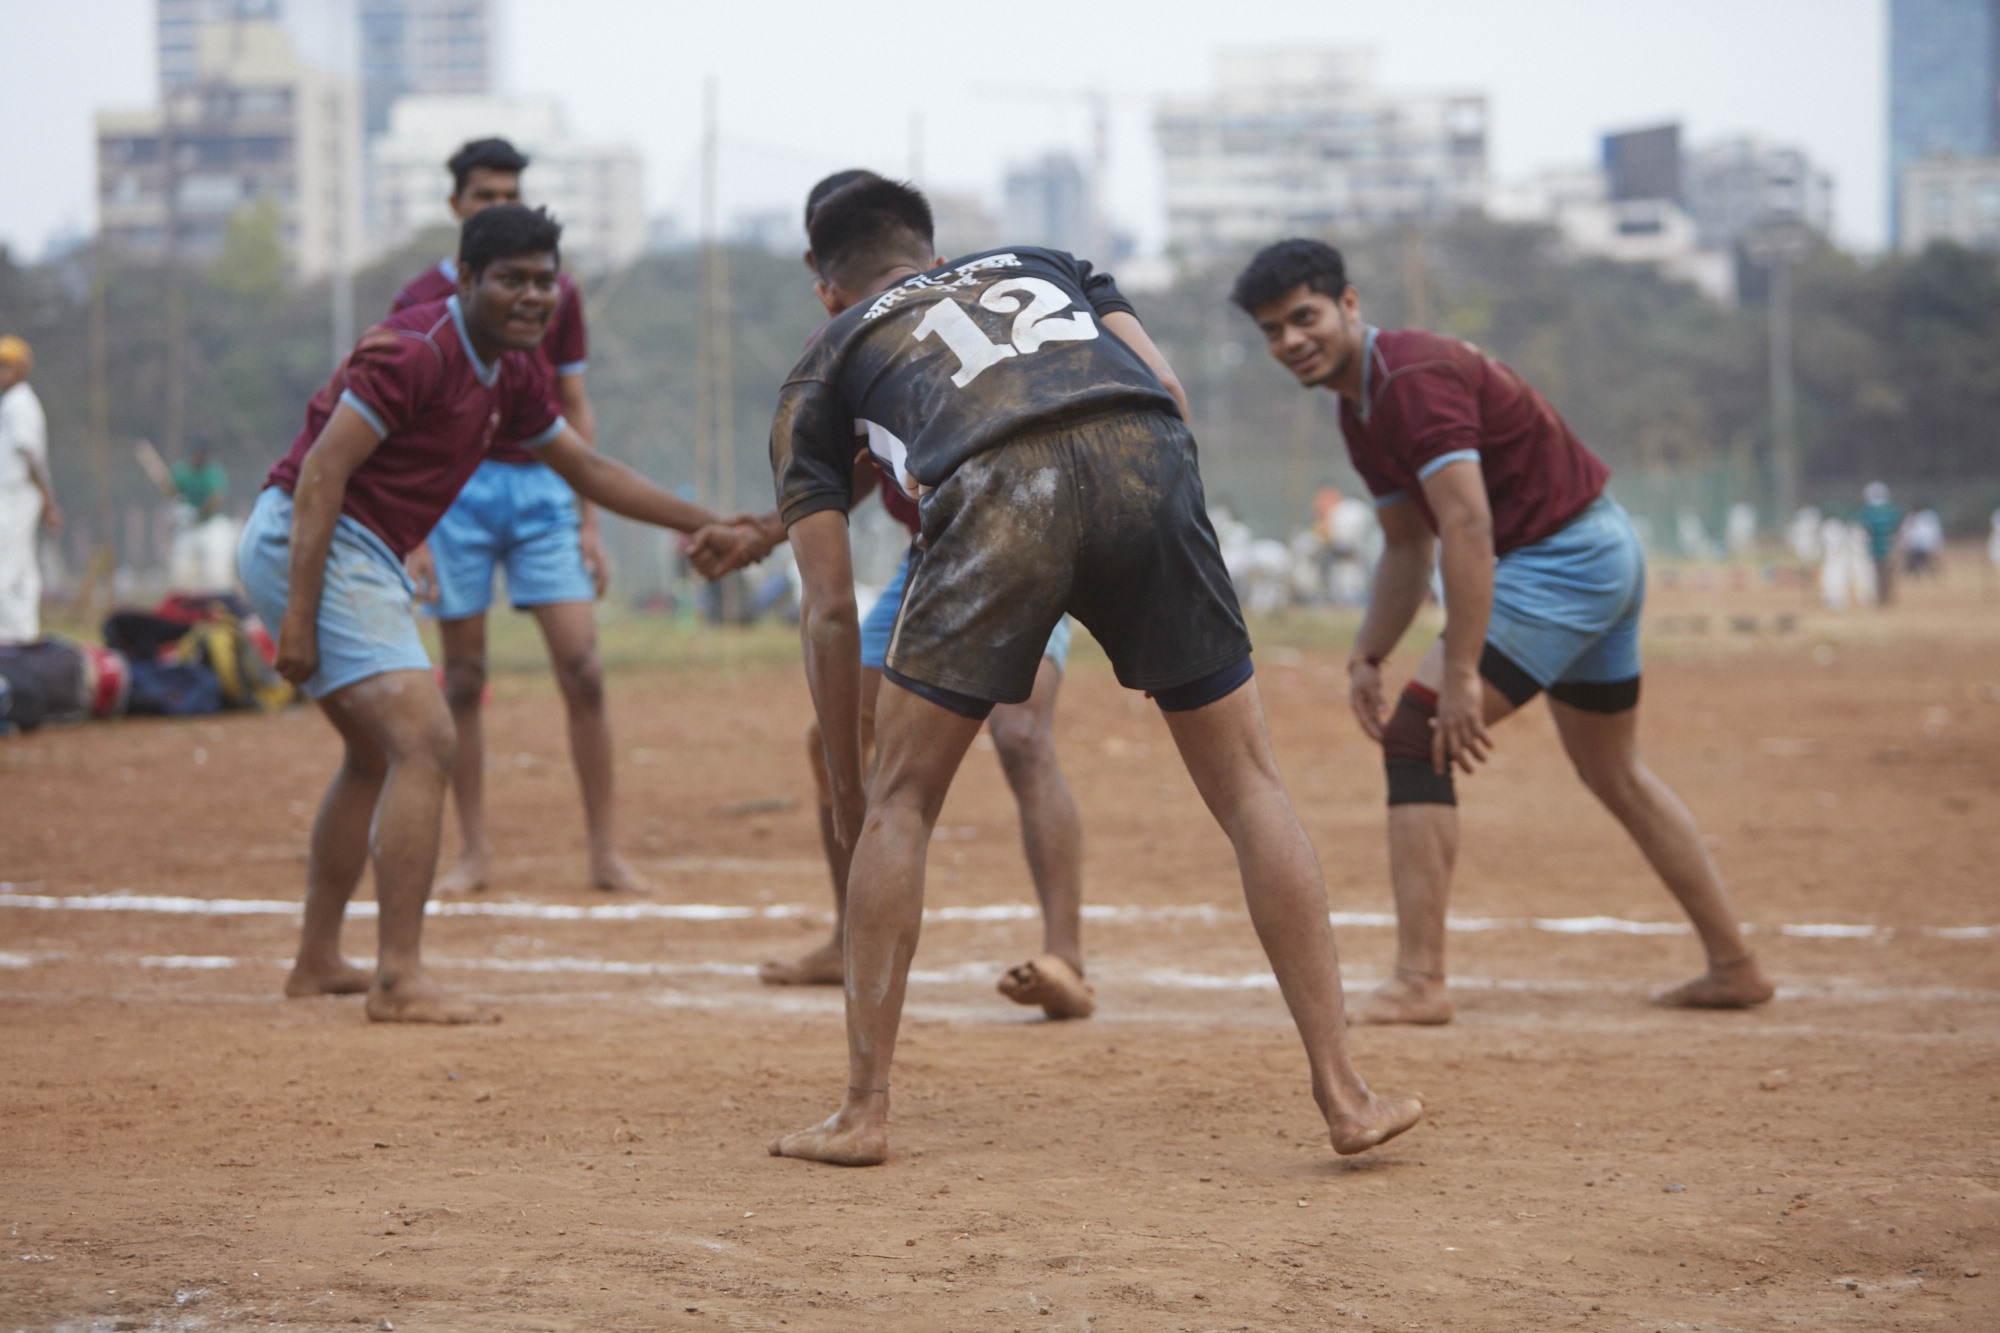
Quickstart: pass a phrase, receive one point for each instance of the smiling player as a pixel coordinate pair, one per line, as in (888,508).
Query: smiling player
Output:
(386,446)
(1543,582)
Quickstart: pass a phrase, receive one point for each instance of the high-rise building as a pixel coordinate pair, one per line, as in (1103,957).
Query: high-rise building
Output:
(1047,202)
(593,189)
(177,26)
(248,125)
(1734,187)
(417,47)
(1944,86)
(1643,164)
(1302,141)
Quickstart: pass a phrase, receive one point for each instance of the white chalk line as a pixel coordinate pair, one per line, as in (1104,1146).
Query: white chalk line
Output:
(981,973)
(1201,913)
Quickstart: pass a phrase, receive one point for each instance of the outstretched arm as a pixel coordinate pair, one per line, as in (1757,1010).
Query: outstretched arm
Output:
(1133,335)
(608,482)
(576,409)
(342,446)
(1402,579)
(830,628)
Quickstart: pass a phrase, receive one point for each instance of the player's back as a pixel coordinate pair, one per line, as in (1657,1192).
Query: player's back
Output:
(956,361)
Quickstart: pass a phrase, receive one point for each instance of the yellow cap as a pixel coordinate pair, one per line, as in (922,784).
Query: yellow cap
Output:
(15,351)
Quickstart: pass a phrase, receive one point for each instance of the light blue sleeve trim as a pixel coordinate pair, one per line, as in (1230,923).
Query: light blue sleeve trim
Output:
(1431,469)
(1392,498)
(365,412)
(573,368)
(556,427)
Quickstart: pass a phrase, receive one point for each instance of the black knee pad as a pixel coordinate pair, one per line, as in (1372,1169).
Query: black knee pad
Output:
(1406,752)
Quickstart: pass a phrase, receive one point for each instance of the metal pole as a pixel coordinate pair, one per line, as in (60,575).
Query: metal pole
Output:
(1784,442)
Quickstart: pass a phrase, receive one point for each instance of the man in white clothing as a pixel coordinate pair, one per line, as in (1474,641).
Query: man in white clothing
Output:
(27,499)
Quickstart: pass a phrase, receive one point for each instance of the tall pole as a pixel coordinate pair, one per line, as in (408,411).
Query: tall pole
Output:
(1784,439)
(704,392)
(174,427)
(341,107)
(1100,164)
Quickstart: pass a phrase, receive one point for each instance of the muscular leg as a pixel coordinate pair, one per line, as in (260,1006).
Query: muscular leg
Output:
(1603,746)
(1228,754)
(400,716)
(1052,836)
(339,854)
(1423,850)
(464,689)
(919,749)
(570,631)
(822,966)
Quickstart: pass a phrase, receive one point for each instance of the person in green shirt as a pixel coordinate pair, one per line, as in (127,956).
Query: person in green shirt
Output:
(201,483)
(1881,520)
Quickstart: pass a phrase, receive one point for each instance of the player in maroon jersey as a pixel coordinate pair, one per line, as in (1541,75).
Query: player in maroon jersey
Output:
(1543,583)
(517,513)
(387,444)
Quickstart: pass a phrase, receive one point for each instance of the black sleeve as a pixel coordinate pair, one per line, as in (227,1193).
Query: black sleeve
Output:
(812,450)
(1101,290)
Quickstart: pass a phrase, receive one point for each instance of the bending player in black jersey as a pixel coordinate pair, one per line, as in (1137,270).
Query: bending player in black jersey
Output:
(1019,396)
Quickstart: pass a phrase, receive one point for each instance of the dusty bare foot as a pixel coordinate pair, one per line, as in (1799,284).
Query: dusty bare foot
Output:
(1736,985)
(468,876)
(1053,984)
(346,979)
(843,1139)
(418,999)
(1406,997)
(822,967)
(614,874)
(1382,1121)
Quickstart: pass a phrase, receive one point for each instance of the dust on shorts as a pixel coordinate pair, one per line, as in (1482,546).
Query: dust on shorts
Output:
(366,626)
(518,515)
(1104,519)
(1566,613)
(880,623)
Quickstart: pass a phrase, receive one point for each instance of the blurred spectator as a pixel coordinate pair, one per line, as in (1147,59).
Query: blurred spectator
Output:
(27,497)
(1922,541)
(1741,530)
(202,557)
(1881,520)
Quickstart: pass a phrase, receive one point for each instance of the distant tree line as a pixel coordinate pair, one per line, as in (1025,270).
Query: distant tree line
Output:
(1898,365)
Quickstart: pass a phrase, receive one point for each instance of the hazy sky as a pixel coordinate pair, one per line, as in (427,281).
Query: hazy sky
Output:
(807,88)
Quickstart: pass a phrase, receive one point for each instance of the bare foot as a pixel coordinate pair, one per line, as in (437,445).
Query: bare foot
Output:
(822,967)
(843,1139)
(468,876)
(346,979)
(1406,997)
(1736,985)
(418,999)
(1382,1121)
(1053,984)
(614,874)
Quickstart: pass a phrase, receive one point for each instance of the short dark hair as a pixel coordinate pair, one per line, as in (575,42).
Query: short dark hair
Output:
(484,155)
(865,226)
(1277,269)
(837,181)
(506,230)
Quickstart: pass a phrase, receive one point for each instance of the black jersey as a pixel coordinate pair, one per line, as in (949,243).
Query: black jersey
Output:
(950,363)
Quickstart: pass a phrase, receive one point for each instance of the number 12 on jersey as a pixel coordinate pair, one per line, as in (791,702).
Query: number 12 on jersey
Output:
(1035,325)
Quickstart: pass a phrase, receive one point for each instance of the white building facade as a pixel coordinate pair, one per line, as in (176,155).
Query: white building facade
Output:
(1303,142)
(1953,199)
(594,190)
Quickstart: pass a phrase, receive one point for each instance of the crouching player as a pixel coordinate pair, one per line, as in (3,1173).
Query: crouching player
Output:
(386,447)
(1027,404)
(1543,582)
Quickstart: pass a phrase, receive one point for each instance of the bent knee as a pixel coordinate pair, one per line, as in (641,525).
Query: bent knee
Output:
(1021,738)
(1618,786)
(581,677)
(465,683)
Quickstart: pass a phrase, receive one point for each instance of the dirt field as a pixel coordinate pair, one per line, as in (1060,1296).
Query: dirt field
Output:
(183,1149)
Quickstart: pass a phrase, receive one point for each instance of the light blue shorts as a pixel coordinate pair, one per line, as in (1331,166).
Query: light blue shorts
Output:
(365,621)
(880,626)
(522,516)
(1566,608)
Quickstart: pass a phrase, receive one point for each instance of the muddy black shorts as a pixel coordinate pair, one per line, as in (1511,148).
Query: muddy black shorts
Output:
(1104,519)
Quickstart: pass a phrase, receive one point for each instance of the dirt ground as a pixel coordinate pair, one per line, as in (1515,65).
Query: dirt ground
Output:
(183,1149)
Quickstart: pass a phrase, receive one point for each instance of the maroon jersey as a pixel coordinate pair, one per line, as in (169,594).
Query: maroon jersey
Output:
(1428,400)
(437,408)
(564,349)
